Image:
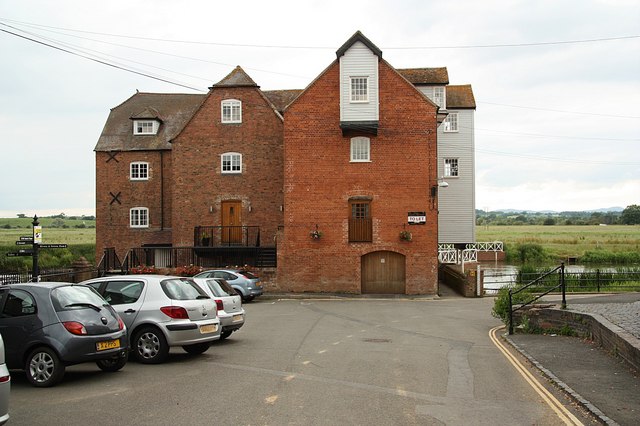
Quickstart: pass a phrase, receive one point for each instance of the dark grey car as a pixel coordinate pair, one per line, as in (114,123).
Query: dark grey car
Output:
(48,326)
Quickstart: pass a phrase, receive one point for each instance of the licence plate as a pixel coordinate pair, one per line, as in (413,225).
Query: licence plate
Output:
(237,317)
(109,344)
(210,328)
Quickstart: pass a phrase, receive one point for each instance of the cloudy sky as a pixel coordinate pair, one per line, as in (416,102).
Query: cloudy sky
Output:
(557,83)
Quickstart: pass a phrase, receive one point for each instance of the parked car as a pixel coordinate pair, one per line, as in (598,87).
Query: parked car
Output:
(245,283)
(5,386)
(48,326)
(161,312)
(230,310)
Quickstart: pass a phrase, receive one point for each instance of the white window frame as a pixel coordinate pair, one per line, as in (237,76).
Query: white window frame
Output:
(439,96)
(135,170)
(451,168)
(360,149)
(232,157)
(450,124)
(361,92)
(234,114)
(139,217)
(145,127)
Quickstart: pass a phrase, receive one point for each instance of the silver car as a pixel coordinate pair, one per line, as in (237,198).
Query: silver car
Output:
(230,310)
(244,282)
(161,312)
(5,386)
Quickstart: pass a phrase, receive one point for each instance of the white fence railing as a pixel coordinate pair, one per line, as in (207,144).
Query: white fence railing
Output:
(447,253)
(457,256)
(487,246)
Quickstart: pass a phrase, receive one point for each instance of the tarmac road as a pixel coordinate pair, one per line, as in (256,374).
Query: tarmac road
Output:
(352,361)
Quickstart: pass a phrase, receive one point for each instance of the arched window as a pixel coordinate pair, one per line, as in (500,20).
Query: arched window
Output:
(231,162)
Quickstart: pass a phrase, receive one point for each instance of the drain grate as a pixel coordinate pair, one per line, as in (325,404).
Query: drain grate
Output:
(377,340)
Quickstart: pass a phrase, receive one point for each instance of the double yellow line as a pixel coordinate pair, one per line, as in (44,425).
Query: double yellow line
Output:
(562,412)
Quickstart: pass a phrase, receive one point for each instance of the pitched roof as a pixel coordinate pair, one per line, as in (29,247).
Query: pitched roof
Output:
(236,78)
(174,110)
(358,36)
(281,98)
(460,97)
(426,76)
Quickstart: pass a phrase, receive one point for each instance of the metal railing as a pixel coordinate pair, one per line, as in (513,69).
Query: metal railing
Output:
(174,257)
(588,281)
(226,236)
(537,296)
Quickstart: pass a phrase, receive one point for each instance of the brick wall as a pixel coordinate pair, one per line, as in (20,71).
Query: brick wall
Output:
(199,186)
(112,217)
(320,180)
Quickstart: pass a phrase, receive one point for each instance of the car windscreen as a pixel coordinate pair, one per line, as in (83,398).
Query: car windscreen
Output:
(220,287)
(182,289)
(76,297)
(248,274)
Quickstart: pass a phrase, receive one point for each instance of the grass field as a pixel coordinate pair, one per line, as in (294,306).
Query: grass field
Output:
(564,241)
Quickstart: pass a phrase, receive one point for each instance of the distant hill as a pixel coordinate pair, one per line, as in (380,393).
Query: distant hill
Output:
(602,210)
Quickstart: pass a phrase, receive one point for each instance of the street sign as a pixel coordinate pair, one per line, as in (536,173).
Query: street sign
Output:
(37,234)
(20,253)
(23,243)
(53,246)
(26,238)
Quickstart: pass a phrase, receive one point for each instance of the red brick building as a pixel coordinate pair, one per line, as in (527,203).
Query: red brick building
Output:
(341,176)
(360,162)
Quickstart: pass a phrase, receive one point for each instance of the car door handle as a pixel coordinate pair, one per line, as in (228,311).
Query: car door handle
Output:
(129,311)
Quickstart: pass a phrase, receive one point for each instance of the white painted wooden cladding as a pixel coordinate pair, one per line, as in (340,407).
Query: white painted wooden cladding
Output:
(457,214)
(358,61)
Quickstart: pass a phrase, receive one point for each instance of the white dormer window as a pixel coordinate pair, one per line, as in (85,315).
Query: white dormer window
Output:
(451,122)
(145,127)
(439,98)
(231,111)
(139,170)
(359,89)
(231,162)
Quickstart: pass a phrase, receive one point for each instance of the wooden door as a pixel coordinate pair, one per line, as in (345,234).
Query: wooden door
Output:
(231,222)
(383,272)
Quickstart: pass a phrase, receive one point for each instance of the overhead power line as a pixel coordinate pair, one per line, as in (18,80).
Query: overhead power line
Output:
(560,110)
(275,46)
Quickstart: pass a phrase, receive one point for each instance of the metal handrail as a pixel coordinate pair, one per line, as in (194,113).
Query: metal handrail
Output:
(537,280)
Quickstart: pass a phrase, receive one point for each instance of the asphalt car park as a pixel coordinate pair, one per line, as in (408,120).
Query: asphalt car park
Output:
(299,362)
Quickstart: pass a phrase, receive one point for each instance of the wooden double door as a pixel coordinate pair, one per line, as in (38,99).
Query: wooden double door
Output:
(383,272)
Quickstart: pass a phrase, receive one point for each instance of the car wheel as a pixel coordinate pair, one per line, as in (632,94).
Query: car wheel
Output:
(150,346)
(197,348)
(248,298)
(43,367)
(112,364)
(225,334)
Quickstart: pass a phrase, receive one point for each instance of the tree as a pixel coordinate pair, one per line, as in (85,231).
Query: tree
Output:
(22,215)
(631,215)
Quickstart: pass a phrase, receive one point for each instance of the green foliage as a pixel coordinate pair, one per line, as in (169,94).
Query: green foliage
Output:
(631,215)
(501,303)
(605,257)
(531,253)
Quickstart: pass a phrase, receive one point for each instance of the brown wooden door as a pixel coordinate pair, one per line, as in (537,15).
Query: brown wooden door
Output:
(231,222)
(383,272)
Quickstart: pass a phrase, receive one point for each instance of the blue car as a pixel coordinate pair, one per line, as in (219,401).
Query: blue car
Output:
(48,326)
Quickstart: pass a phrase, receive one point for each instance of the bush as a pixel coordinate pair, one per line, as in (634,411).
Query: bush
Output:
(187,271)
(530,252)
(501,304)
